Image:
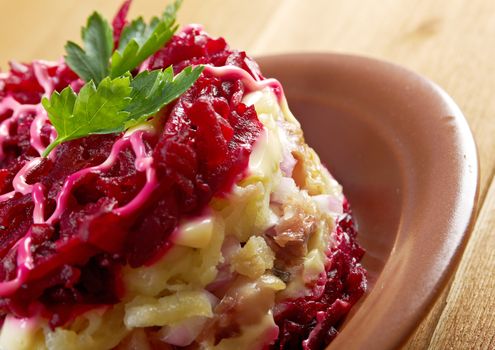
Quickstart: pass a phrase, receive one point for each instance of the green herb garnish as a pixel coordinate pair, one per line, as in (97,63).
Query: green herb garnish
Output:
(139,41)
(96,110)
(151,90)
(91,63)
(112,100)
(115,104)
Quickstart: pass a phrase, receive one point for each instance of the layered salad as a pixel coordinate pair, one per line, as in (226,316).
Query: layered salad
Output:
(157,193)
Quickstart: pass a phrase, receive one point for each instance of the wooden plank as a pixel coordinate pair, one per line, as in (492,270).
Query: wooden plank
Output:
(421,337)
(468,319)
(39,29)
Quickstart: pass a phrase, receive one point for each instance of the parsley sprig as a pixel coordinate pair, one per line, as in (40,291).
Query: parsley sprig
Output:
(115,104)
(112,100)
(138,41)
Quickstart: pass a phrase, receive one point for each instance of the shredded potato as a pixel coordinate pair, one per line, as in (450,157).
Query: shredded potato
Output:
(97,329)
(254,258)
(148,311)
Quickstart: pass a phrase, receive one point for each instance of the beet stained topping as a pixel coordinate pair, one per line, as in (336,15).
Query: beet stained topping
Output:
(70,221)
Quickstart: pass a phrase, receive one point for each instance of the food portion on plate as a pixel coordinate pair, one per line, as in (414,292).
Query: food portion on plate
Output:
(157,193)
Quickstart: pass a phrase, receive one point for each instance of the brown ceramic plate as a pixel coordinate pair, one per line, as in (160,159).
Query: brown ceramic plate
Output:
(407,160)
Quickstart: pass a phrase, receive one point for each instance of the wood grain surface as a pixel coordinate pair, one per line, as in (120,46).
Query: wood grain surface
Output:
(450,41)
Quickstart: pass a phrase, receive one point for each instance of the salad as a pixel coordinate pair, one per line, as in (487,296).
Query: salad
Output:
(156,192)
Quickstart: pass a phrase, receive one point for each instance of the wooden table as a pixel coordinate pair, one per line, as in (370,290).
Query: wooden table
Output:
(450,41)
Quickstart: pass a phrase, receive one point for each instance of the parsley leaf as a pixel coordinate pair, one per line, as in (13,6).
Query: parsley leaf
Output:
(151,90)
(139,41)
(116,104)
(91,63)
(113,100)
(94,111)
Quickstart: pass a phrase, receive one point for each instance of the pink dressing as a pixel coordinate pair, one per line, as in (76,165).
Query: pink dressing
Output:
(24,258)
(9,103)
(40,71)
(24,265)
(143,162)
(39,203)
(19,182)
(251,85)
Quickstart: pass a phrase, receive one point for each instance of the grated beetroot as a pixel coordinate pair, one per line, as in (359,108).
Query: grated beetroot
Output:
(192,46)
(120,21)
(311,322)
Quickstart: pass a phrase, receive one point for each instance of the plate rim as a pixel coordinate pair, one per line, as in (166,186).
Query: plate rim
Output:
(472,181)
